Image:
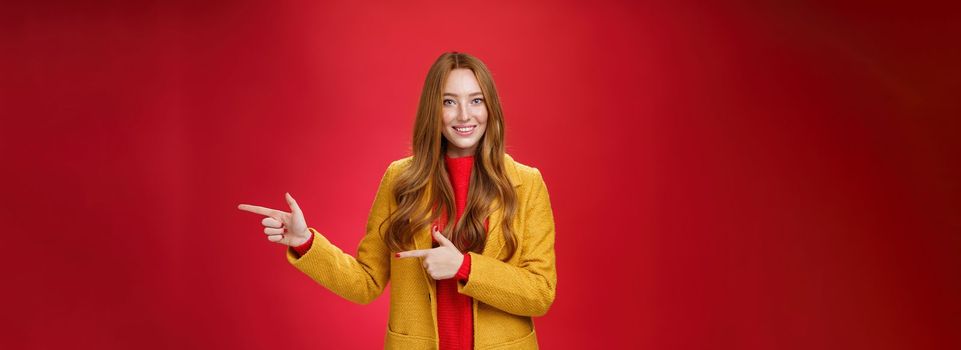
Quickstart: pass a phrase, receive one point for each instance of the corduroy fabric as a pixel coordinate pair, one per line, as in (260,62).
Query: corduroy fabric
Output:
(506,291)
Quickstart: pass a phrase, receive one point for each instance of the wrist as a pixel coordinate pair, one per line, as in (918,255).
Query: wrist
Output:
(300,239)
(463,273)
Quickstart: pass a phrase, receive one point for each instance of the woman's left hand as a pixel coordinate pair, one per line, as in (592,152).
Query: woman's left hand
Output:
(441,262)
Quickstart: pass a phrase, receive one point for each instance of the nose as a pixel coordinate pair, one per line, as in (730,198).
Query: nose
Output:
(462,114)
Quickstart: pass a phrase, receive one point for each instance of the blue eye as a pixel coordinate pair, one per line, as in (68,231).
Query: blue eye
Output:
(479,99)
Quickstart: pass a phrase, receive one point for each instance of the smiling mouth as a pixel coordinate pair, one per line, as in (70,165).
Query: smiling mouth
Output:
(464,128)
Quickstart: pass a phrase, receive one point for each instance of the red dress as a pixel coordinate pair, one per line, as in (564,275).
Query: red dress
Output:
(455,313)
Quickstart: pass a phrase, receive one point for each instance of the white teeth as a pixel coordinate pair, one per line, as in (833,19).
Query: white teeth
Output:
(469,128)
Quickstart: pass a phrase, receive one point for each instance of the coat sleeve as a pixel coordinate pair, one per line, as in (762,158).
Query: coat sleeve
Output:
(361,279)
(526,289)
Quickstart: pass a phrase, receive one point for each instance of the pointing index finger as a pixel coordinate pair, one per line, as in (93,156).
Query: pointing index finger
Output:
(260,210)
(413,253)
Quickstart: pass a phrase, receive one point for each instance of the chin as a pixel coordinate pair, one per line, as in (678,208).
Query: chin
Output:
(462,143)
(466,146)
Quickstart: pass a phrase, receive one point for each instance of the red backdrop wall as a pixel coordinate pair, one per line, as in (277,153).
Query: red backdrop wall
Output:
(750,175)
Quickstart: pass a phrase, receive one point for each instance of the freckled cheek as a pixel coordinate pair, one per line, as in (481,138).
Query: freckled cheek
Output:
(479,113)
(448,118)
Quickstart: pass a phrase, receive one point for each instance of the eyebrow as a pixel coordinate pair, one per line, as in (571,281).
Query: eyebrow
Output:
(471,94)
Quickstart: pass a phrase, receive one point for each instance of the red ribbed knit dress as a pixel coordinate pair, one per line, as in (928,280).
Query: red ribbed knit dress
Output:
(455,319)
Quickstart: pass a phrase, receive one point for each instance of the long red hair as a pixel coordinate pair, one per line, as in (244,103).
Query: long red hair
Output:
(423,190)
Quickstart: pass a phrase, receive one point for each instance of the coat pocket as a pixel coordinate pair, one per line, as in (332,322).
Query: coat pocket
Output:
(526,342)
(395,340)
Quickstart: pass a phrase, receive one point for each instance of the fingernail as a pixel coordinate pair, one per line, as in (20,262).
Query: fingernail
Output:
(396,255)
(435,227)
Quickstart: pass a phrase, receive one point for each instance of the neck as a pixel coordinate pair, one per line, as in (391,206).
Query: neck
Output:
(458,153)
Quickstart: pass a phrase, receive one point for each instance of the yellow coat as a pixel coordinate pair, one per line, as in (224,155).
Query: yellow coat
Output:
(506,294)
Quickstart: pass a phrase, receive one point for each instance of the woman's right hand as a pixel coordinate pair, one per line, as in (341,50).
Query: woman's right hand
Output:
(280,226)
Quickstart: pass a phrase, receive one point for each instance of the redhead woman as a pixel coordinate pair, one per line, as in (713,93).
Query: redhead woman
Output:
(463,232)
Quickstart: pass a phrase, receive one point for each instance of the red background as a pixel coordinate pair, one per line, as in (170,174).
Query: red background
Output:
(750,175)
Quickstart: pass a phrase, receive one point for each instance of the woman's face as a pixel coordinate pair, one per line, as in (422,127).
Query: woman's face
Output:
(465,113)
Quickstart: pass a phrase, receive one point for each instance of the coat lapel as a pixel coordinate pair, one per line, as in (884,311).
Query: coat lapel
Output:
(495,232)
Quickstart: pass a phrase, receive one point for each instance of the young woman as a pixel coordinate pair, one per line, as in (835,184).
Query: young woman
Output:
(472,282)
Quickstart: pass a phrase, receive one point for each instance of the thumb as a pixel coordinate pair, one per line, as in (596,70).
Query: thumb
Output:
(294,208)
(443,240)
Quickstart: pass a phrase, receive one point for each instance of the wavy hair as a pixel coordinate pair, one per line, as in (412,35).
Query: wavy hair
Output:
(423,191)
